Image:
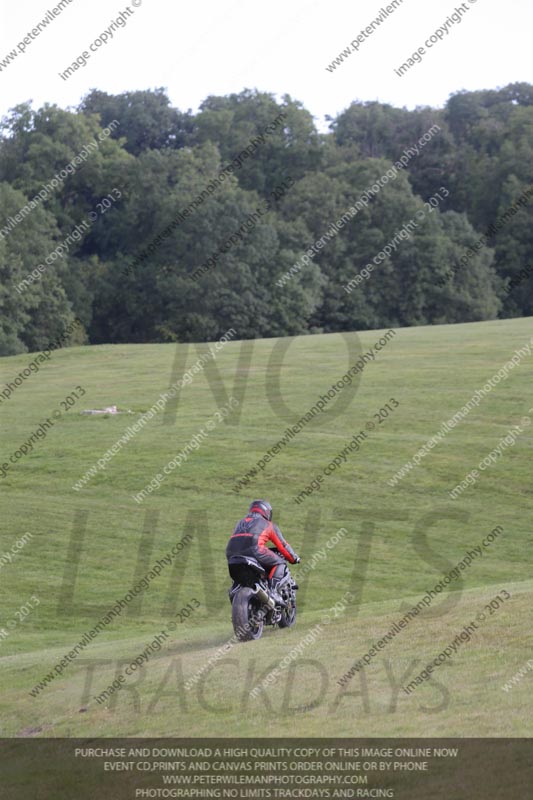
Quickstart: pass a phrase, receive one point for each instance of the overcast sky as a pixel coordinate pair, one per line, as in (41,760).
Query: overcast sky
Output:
(283,46)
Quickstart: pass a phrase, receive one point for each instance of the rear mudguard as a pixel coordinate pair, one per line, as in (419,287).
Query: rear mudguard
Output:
(258,590)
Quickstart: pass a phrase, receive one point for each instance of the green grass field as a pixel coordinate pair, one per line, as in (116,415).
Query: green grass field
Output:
(88,547)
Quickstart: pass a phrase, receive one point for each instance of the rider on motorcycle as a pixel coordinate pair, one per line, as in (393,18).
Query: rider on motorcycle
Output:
(250,536)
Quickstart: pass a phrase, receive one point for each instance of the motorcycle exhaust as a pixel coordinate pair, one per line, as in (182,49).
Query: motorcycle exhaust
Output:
(262,595)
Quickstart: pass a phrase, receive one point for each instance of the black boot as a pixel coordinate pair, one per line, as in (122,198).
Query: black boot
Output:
(274,584)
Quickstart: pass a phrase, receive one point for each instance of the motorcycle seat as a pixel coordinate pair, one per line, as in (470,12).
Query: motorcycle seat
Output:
(250,562)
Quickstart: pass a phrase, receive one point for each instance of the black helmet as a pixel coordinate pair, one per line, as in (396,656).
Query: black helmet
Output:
(262,507)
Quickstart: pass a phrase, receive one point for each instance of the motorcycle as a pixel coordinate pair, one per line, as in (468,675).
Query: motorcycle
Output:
(252,604)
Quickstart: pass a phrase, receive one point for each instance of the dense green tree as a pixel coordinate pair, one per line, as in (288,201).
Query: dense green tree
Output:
(514,248)
(292,149)
(381,131)
(147,120)
(34,308)
(159,299)
(173,248)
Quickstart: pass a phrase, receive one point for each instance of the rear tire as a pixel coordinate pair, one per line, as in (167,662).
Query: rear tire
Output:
(288,615)
(244,608)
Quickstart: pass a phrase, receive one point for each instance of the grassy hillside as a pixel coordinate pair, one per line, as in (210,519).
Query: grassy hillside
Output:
(89,547)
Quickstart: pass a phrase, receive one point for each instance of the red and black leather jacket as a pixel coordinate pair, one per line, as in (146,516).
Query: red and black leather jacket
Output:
(252,533)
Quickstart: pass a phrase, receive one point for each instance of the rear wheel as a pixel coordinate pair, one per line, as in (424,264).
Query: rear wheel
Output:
(288,614)
(244,615)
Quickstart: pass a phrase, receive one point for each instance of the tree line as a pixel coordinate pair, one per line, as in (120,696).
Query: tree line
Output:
(151,224)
